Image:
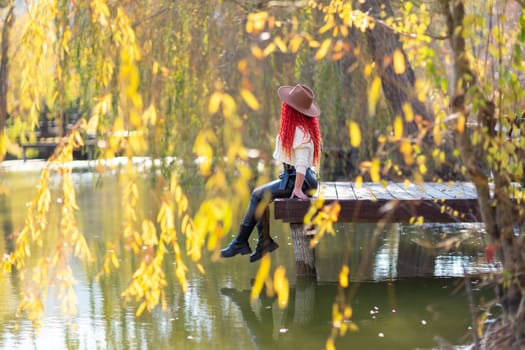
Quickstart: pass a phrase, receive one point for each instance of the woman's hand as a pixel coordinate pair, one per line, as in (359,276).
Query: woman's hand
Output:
(297,189)
(297,192)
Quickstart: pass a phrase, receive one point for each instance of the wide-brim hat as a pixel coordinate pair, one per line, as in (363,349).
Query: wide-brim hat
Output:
(301,98)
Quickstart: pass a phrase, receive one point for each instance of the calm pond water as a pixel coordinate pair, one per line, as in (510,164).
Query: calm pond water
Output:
(403,295)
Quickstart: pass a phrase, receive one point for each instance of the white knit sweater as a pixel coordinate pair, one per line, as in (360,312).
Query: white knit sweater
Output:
(302,156)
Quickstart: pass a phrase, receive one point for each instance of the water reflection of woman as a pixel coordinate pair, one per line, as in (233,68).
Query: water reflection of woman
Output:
(298,147)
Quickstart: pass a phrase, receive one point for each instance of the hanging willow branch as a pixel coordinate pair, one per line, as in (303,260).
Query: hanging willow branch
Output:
(43,255)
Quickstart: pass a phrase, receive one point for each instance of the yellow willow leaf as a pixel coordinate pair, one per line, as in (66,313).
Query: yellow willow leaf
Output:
(257,20)
(268,50)
(186,222)
(398,128)
(141,309)
(78,141)
(330,344)
(138,144)
(92,125)
(342,330)
(279,42)
(202,147)
(328,25)
(369,68)
(347,313)
(358,181)
(155,68)
(114,260)
(373,95)
(149,233)
(374,170)
(421,161)
(215,102)
(344,30)
(183,205)
(249,27)
(150,115)
(250,99)
(421,89)
(336,314)
(323,50)
(262,273)
(281,286)
(399,62)
(257,52)
(409,112)
(337,56)
(461,124)
(178,193)
(242,66)
(436,132)
(355,134)
(180,272)
(295,43)
(313,43)
(343,276)
(83,250)
(406,150)
(481,323)
(118,125)
(353,327)
(229,106)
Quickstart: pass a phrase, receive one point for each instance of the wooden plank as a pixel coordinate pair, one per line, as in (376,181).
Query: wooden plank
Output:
(435,192)
(399,192)
(416,191)
(327,190)
(379,191)
(362,192)
(455,190)
(468,189)
(345,191)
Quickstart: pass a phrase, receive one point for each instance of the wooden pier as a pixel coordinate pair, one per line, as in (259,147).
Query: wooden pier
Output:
(373,202)
(48,145)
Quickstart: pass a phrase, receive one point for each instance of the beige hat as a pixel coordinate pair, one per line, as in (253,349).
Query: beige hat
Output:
(301,98)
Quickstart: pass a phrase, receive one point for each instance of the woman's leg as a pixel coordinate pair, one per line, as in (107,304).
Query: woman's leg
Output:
(265,243)
(259,199)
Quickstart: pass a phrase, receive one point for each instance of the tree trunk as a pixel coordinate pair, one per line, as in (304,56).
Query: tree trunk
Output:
(498,211)
(4,69)
(397,88)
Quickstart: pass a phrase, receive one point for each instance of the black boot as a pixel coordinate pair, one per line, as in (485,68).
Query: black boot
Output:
(239,245)
(265,244)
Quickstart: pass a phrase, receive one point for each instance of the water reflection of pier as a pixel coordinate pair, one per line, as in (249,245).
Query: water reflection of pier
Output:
(383,312)
(378,203)
(400,251)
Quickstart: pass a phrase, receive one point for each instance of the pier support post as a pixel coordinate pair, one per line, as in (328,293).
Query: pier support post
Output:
(304,300)
(304,255)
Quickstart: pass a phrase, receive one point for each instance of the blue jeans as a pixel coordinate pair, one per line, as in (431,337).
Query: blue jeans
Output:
(263,195)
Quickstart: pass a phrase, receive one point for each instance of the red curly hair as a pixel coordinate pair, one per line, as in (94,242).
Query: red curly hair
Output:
(290,119)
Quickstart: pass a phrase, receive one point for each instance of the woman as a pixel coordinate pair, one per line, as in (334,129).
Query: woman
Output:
(298,147)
